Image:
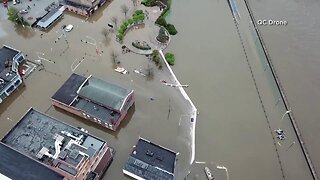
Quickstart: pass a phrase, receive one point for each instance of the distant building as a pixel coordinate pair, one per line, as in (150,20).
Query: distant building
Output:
(149,161)
(10,79)
(82,7)
(99,101)
(70,152)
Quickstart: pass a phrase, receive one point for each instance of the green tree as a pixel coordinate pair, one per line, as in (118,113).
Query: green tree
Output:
(161,21)
(171,29)
(14,16)
(155,53)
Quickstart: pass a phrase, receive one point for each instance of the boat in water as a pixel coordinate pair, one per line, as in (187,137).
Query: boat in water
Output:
(208,173)
(139,72)
(121,70)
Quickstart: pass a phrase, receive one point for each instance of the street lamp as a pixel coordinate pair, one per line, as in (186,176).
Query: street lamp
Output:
(284,114)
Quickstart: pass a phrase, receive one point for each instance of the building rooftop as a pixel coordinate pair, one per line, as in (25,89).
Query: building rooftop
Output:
(17,166)
(6,56)
(151,161)
(95,97)
(68,91)
(52,142)
(50,17)
(105,93)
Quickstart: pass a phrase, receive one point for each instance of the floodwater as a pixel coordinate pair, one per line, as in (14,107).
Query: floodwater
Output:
(232,128)
(294,52)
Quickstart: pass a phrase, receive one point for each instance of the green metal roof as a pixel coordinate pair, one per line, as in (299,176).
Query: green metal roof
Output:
(104,93)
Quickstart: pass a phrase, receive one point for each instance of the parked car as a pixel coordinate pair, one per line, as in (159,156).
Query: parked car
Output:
(69,28)
(23,11)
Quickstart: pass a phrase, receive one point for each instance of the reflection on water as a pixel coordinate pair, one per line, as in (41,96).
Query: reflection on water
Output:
(25,32)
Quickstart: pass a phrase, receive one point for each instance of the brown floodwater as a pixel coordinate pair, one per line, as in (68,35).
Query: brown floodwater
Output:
(295,55)
(232,128)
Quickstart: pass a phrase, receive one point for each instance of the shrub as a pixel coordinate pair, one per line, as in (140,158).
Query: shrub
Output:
(149,3)
(155,53)
(141,17)
(125,23)
(121,31)
(135,19)
(161,21)
(156,60)
(170,58)
(120,36)
(137,12)
(130,21)
(171,29)
(124,27)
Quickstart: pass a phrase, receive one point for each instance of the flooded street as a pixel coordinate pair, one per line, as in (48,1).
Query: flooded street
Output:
(236,100)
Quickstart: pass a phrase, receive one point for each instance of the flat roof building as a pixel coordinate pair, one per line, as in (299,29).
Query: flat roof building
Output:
(91,98)
(10,78)
(149,161)
(14,165)
(69,152)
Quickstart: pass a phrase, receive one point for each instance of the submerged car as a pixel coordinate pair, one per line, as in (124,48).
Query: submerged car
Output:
(23,11)
(69,28)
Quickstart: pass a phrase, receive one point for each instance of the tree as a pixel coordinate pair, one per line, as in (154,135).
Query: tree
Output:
(106,33)
(114,58)
(149,72)
(171,29)
(114,20)
(14,16)
(135,2)
(124,9)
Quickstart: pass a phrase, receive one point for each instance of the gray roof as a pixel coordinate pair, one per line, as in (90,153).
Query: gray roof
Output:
(6,53)
(37,130)
(151,161)
(50,17)
(104,114)
(68,91)
(104,93)
(93,143)
(19,167)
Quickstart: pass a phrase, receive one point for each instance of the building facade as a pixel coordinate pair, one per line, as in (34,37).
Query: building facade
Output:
(94,99)
(10,78)
(82,7)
